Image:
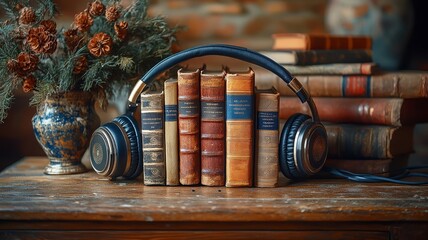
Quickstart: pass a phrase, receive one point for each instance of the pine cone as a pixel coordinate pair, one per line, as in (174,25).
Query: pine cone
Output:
(49,26)
(27,63)
(96,8)
(29,83)
(41,41)
(100,44)
(80,65)
(121,29)
(83,21)
(72,38)
(27,15)
(12,66)
(112,13)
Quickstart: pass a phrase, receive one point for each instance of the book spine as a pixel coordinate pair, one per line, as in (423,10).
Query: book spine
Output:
(266,160)
(398,85)
(321,41)
(171,132)
(152,130)
(189,126)
(332,56)
(212,128)
(239,129)
(333,69)
(350,141)
(382,111)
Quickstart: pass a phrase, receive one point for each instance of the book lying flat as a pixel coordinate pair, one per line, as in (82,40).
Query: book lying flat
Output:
(310,41)
(313,57)
(401,84)
(383,111)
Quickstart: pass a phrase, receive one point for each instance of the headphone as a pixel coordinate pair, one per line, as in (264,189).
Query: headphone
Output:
(116,147)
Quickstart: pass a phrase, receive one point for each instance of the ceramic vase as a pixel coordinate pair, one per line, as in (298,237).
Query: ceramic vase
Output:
(63,125)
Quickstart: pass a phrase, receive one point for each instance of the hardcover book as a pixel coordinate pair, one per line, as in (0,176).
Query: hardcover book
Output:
(334,69)
(310,41)
(171,132)
(314,57)
(352,141)
(189,126)
(152,130)
(213,130)
(382,111)
(266,160)
(402,84)
(239,128)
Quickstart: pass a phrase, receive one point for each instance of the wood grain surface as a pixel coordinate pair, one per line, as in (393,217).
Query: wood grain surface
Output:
(38,206)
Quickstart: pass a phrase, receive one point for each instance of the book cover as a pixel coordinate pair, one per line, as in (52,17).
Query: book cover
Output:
(334,69)
(213,87)
(382,111)
(171,132)
(401,84)
(354,141)
(189,126)
(313,57)
(312,41)
(152,130)
(380,167)
(266,159)
(239,128)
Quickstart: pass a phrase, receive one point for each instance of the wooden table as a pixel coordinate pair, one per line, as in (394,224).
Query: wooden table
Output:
(87,206)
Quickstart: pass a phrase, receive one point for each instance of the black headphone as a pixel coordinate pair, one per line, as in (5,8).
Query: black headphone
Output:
(116,147)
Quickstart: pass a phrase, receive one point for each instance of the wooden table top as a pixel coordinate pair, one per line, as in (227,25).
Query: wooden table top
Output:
(27,194)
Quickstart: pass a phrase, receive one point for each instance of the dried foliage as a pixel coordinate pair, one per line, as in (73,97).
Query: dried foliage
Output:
(106,46)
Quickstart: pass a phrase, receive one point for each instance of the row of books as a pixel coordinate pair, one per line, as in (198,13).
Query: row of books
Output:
(200,129)
(370,115)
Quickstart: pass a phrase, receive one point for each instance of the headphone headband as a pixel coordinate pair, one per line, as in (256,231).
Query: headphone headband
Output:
(228,51)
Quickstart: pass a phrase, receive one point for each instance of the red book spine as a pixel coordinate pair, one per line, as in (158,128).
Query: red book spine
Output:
(188,126)
(212,128)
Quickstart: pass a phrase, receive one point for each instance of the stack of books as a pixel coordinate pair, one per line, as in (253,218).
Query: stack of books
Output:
(370,115)
(212,128)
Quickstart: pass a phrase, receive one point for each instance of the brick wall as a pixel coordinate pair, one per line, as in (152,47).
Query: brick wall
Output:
(248,23)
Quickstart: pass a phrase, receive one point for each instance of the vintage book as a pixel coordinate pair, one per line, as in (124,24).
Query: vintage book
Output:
(152,131)
(383,111)
(333,69)
(266,159)
(381,167)
(403,84)
(311,41)
(189,126)
(353,141)
(171,132)
(314,57)
(213,87)
(239,128)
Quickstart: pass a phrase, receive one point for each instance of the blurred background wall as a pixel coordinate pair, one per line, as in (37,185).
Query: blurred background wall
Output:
(248,23)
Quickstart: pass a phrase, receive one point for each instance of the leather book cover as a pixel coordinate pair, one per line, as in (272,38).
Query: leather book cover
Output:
(382,111)
(356,141)
(313,57)
(334,69)
(171,132)
(189,126)
(152,130)
(213,87)
(312,41)
(266,159)
(239,128)
(401,84)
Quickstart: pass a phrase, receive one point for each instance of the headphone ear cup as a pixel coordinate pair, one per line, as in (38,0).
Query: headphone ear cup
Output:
(286,150)
(132,131)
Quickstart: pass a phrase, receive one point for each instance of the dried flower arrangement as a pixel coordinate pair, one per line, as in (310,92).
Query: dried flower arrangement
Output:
(107,45)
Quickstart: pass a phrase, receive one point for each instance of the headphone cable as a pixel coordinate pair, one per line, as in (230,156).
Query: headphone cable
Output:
(370,178)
